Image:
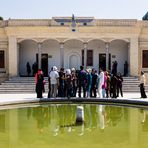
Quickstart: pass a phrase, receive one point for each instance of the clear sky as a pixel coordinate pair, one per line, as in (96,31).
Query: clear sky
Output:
(100,9)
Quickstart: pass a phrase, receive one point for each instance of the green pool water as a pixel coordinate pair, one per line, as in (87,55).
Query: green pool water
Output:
(74,126)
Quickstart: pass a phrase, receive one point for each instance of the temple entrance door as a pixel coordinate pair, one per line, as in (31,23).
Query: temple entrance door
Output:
(102,61)
(44,63)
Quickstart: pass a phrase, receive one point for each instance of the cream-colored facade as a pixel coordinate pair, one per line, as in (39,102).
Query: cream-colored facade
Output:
(118,39)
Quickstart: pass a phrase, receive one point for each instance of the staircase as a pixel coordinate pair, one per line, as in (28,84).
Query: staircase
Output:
(20,85)
(130,84)
(27,85)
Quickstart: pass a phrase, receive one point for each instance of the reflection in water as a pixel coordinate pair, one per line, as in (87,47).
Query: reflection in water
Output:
(102,117)
(74,126)
(144,121)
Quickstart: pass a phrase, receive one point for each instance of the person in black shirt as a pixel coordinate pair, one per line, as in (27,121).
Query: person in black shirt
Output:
(114,86)
(119,84)
(82,81)
(61,83)
(125,68)
(94,84)
(28,69)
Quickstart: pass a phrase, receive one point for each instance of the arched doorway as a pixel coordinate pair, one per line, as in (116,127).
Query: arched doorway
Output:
(73,53)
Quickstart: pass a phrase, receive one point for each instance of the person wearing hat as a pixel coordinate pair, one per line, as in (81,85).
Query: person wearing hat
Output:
(142,85)
(54,81)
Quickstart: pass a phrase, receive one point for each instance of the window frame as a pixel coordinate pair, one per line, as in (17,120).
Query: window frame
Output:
(82,58)
(142,60)
(4,59)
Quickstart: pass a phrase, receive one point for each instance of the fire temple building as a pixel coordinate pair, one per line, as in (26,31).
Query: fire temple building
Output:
(73,41)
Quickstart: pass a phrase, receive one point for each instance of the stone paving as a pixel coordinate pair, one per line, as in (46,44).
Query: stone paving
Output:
(25,98)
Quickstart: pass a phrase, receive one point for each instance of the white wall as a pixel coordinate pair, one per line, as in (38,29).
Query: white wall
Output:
(27,53)
(52,48)
(120,50)
(29,49)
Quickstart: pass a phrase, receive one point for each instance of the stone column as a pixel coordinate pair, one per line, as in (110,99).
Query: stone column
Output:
(85,55)
(62,54)
(39,55)
(18,50)
(133,56)
(128,46)
(107,55)
(13,56)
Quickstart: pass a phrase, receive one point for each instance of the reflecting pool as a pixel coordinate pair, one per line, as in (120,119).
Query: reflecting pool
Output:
(74,126)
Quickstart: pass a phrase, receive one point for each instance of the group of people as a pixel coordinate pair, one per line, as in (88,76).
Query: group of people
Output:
(89,83)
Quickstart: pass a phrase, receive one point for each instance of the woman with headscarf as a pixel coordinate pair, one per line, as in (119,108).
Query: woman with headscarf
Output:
(89,82)
(39,80)
(68,83)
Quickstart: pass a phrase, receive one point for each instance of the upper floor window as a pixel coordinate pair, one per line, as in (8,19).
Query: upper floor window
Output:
(2,59)
(145,59)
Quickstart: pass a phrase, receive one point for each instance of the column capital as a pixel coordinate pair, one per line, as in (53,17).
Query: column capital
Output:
(85,44)
(40,43)
(61,44)
(128,45)
(107,44)
(61,54)
(39,54)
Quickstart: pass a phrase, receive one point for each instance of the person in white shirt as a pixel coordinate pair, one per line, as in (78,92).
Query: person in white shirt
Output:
(54,81)
(101,82)
(142,85)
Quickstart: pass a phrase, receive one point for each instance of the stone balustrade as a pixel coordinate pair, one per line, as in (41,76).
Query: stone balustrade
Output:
(145,23)
(3,24)
(50,22)
(29,22)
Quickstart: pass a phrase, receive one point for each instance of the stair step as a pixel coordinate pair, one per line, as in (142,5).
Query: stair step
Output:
(27,85)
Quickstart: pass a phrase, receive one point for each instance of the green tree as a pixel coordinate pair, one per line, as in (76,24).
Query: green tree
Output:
(145,17)
(1,18)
